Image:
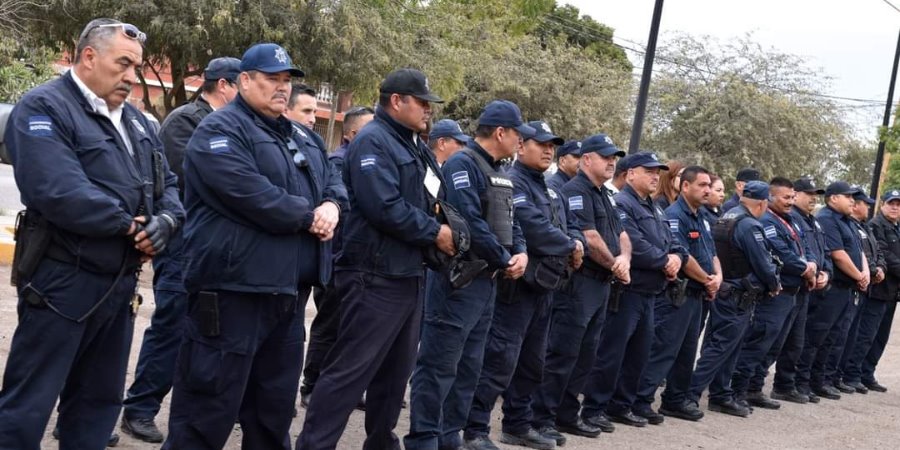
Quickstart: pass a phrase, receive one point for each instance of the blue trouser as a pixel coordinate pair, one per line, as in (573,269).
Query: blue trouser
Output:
(844,339)
(579,311)
(721,346)
(624,348)
(322,334)
(513,362)
(159,350)
(786,351)
(674,350)
(81,364)
(825,311)
(878,345)
(250,371)
(451,353)
(770,317)
(374,353)
(864,330)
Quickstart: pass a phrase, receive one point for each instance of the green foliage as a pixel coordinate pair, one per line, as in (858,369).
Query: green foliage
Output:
(22,68)
(584,32)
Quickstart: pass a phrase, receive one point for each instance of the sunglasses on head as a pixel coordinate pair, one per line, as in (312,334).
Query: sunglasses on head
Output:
(299,158)
(131,32)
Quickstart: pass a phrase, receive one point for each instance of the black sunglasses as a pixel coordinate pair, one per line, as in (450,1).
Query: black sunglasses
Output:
(131,32)
(299,158)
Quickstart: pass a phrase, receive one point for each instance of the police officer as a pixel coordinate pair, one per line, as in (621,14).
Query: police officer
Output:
(744,175)
(771,314)
(380,272)
(677,327)
(517,340)
(445,139)
(749,275)
(324,328)
(851,272)
(789,344)
(91,174)
(878,307)
(579,308)
(260,195)
(627,335)
(849,324)
(567,157)
(156,363)
(456,322)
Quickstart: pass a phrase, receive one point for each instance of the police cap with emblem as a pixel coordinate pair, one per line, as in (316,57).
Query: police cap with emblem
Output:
(806,185)
(756,190)
(860,195)
(504,113)
(891,195)
(543,133)
(569,148)
(448,128)
(747,174)
(268,58)
(602,144)
(839,188)
(642,159)
(408,82)
(222,68)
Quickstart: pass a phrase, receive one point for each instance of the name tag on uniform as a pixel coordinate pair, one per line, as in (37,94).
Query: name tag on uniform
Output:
(503,182)
(432,182)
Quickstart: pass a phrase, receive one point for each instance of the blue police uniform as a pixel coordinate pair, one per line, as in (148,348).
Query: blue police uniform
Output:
(627,335)
(75,169)
(579,310)
(785,352)
(380,281)
(733,202)
(878,345)
(677,327)
(517,340)
(454,333)
(159,348)
(827,307)
(558,180)
(728,321)
(250,265)
(770,315)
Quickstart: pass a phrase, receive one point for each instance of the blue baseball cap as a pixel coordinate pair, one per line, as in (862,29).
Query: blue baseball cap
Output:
(448,128)
(840,188)
(640,159)
(543,133)
(808,186)
(860,195)
(269,58)
(602,144)
(569,148)
(757,190)
(893,194)
(504,113)
(222,68)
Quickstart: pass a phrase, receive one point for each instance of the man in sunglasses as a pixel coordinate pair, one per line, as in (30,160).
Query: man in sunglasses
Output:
(100,200)
(156,363)
(264,204)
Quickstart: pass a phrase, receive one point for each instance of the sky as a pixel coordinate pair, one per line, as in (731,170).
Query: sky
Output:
(851,41)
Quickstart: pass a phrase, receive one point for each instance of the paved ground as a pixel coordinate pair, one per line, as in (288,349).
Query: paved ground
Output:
(859,421)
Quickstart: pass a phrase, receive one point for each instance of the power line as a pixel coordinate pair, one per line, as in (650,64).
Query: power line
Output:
(891,5)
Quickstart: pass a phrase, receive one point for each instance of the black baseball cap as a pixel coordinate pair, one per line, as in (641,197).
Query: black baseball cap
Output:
(222,68)
(747,174)
(543,133)
(840,188)
(269,58)
(808,186)
(408,82)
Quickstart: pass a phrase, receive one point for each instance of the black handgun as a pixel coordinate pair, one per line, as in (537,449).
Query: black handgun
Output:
(676,290)
(33,235)
(462,272)
(615,295)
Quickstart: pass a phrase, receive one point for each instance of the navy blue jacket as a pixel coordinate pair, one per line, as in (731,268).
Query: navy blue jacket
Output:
(814,239)
(791,252)
(840,234)
(694,232)
(176,131)
(888,236)
(390,220)
(867,241)
(651,241)
(750,238)
(466,197)
(72,167)
(592,207)
(558,180)
(249,206)
(733,202)
(532,201)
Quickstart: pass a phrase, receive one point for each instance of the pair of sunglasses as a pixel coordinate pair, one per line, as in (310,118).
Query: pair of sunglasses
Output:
(131,32)
(299,158)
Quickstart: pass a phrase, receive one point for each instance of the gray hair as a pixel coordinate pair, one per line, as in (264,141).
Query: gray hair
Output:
(95,36)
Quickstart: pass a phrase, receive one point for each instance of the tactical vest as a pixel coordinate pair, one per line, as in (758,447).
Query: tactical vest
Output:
(496,201)
(734,261)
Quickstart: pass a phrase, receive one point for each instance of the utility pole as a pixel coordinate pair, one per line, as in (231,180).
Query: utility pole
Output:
(641,109)
(879,158)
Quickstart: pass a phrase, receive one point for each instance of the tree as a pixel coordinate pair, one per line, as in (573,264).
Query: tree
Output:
(736,105)
(22,64)
(584,32)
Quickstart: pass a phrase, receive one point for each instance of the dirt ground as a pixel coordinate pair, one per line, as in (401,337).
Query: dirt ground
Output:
(869,421)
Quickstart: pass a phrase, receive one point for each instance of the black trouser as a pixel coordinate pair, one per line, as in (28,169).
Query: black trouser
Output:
(322,334)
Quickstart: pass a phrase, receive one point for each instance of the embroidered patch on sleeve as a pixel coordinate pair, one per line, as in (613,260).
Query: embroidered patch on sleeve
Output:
(40,126)
(520,199)
(673,225)
(758,236)
(576,203)
(770,232)
(460,179)
(367,163)
(219,144)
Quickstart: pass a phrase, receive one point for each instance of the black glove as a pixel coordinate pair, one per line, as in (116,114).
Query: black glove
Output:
(159,230)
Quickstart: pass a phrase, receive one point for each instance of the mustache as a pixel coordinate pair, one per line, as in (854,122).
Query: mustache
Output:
(280,95)
(124,87)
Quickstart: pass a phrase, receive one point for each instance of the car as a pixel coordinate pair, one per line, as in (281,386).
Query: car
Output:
(5,109)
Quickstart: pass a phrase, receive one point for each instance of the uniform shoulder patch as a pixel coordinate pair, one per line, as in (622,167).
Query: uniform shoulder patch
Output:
(460,180)
(367,162)
(673,225)
(576,203)
(138,126)
(758,236)
(219,144)
(706,224)
(40,126)
(552,194)
(770,231)
(519,199)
